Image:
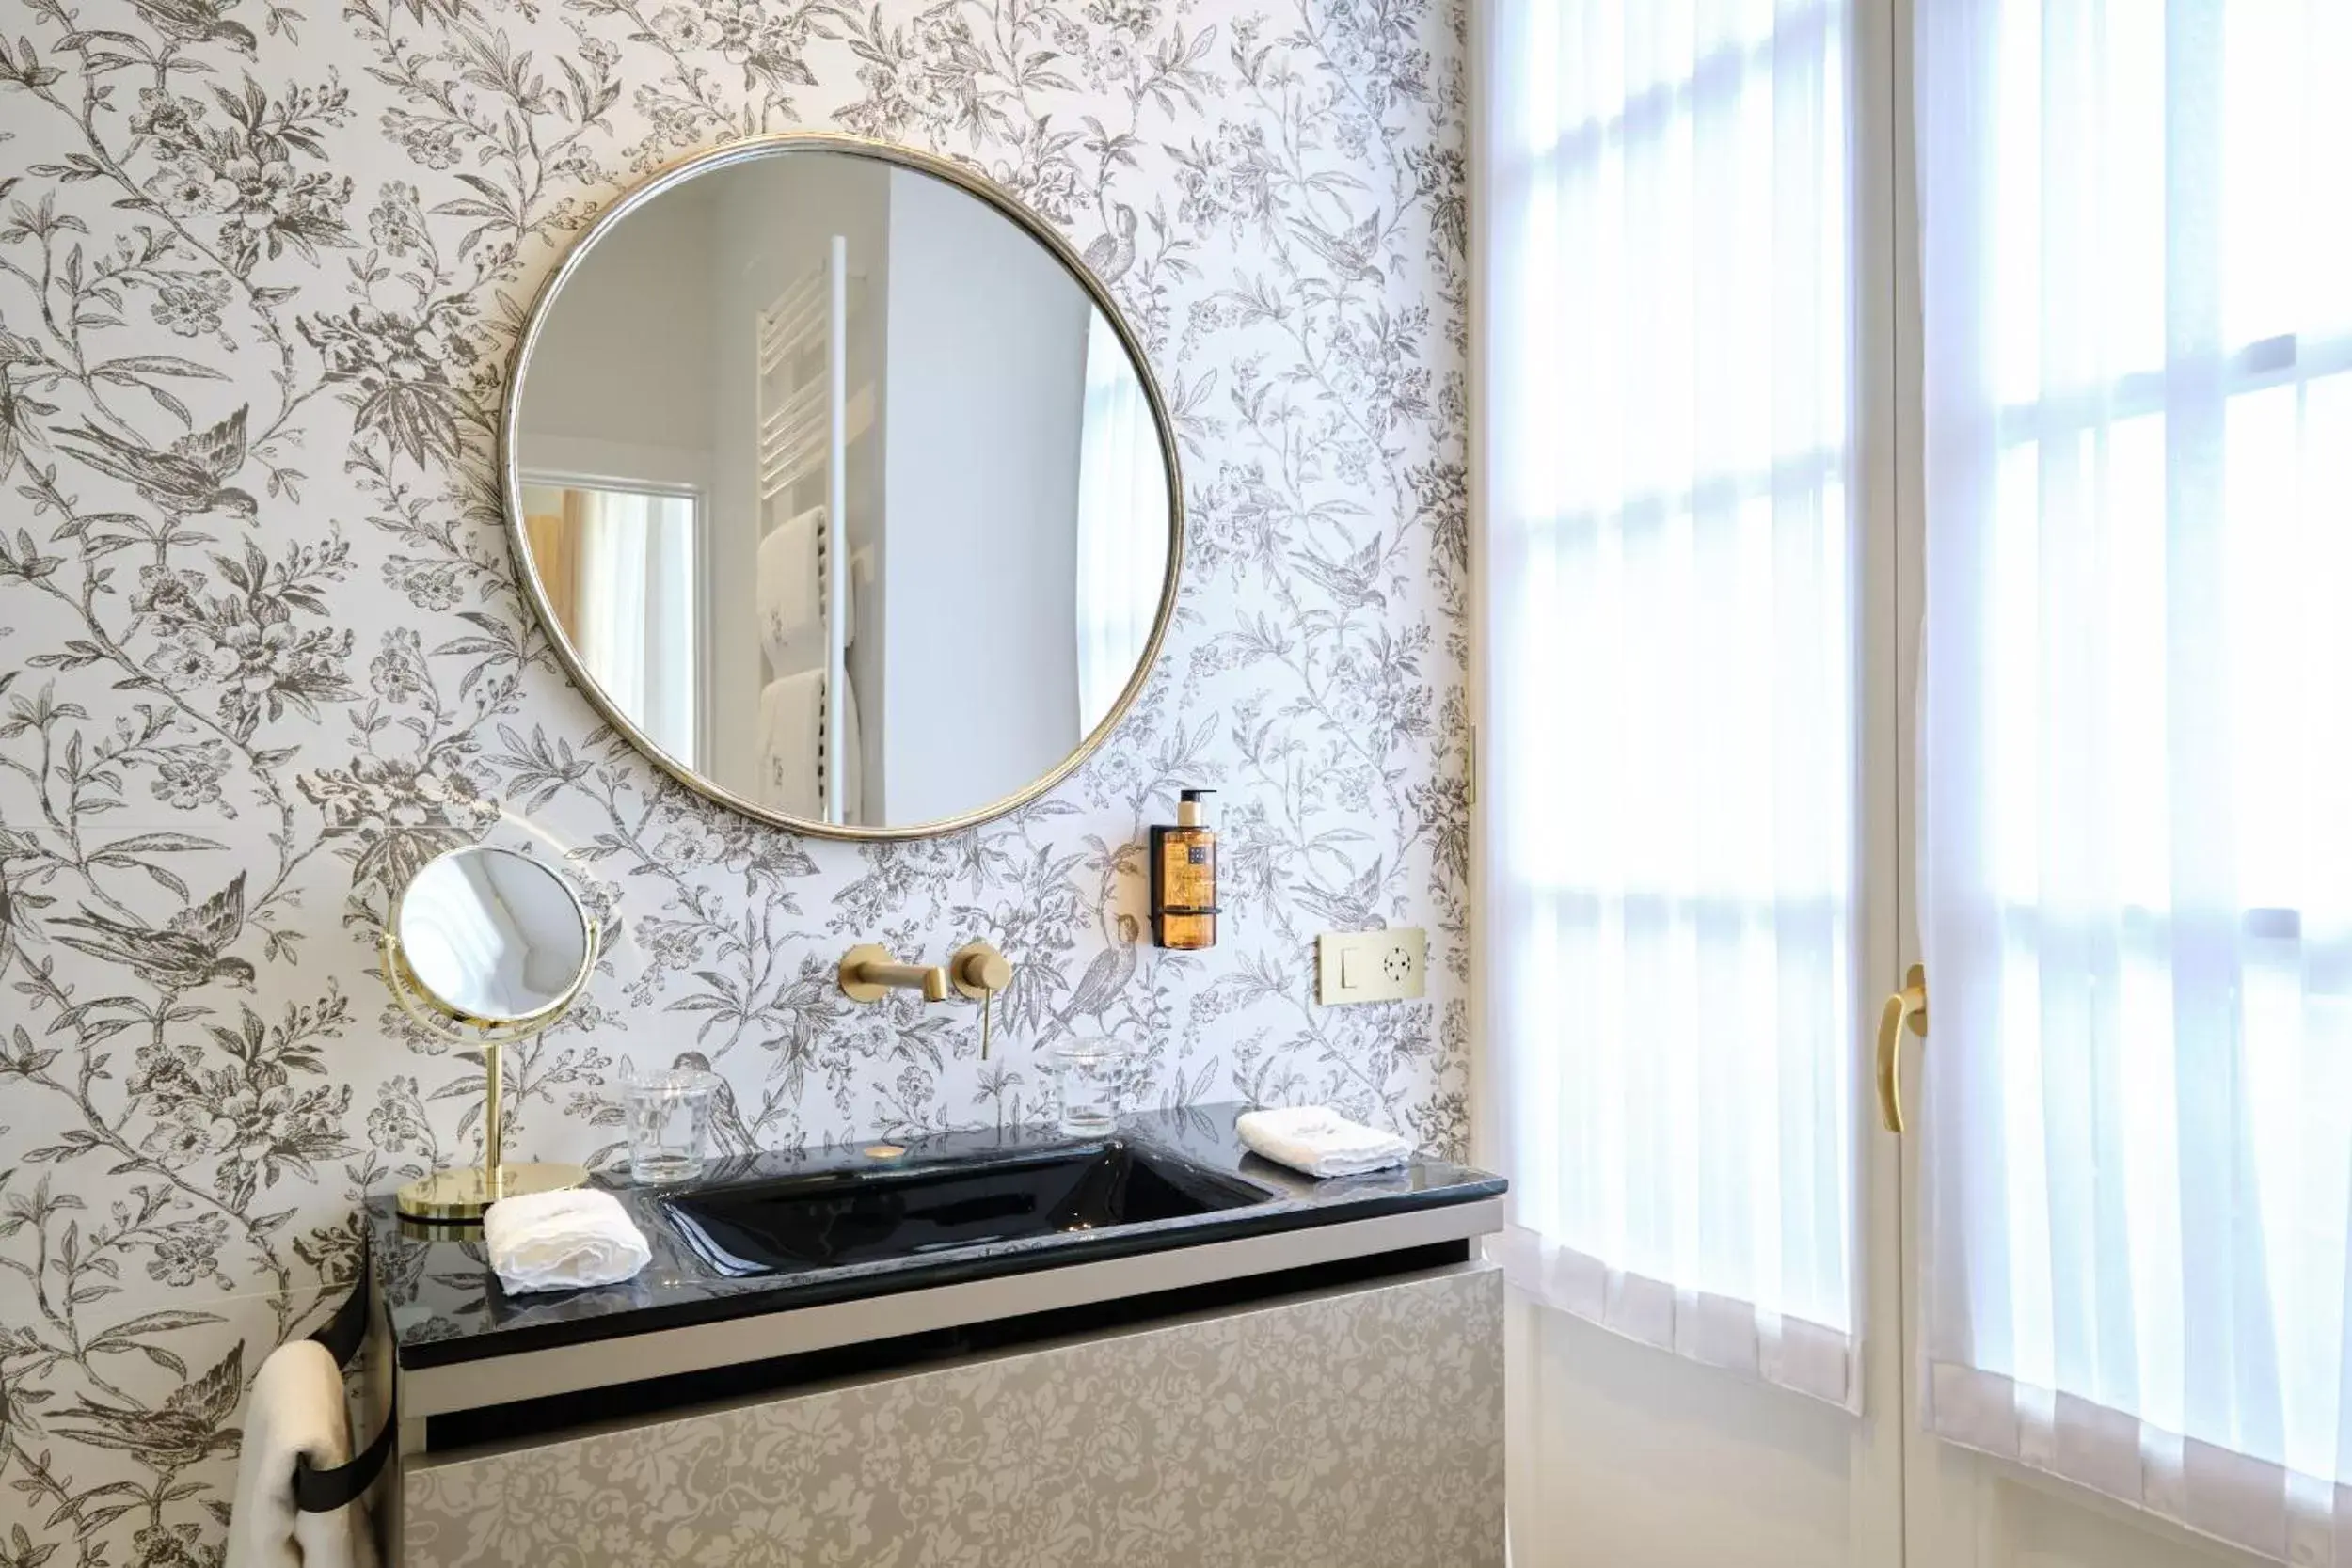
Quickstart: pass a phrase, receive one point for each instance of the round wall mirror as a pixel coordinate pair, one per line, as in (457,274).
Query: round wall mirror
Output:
(492,937)
(842,487)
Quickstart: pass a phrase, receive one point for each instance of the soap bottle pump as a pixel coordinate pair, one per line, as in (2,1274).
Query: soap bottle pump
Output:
(1184,877)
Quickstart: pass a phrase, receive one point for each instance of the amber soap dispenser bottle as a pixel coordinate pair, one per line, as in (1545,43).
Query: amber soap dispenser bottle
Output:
(1184,877)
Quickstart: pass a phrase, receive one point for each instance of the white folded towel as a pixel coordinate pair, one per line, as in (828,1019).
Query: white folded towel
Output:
(790,595)
(791,715)
(562,1241)
(1319,1141)
(295,1411)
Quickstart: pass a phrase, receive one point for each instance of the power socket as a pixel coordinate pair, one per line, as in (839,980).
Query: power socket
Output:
(1389,965)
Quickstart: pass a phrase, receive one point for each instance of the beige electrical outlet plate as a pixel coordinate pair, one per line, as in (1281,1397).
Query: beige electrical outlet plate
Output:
(1390,965)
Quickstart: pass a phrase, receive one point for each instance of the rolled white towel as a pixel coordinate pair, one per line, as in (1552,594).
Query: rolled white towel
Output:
(565,1241)
(1318,1141)
(295,1411)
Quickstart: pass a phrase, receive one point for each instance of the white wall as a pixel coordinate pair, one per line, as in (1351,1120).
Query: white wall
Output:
(622,361)
(987,362)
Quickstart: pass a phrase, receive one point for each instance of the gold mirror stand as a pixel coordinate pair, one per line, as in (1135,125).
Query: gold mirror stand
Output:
(456,1197)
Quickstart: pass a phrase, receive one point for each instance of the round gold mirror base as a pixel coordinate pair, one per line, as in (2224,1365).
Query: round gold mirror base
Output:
(462,1195)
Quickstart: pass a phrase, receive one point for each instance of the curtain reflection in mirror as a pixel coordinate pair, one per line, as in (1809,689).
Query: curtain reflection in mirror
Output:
(1122,525)
(620,571)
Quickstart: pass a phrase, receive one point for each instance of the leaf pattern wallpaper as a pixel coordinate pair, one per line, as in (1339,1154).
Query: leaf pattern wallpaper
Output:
(262,263)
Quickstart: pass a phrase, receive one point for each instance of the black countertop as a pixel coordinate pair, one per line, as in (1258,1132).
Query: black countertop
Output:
(447,1306)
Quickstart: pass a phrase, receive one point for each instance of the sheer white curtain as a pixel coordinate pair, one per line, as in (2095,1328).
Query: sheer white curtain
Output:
(2137,749)
(1122,525)
(1669,728)
(634,600)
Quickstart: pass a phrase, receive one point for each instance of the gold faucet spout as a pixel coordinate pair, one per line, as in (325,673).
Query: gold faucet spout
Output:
(868,973)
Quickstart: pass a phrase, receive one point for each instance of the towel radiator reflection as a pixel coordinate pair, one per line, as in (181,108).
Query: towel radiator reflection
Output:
(807,420)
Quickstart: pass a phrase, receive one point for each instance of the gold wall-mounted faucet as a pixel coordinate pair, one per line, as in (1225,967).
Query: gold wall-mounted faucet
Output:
(979,970)
(868,973)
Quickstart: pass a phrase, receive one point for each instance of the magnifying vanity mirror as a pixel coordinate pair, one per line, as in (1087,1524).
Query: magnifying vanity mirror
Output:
(487,947)
(841,487)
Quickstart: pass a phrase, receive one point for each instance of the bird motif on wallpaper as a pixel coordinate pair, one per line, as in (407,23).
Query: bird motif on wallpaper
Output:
(1103,983)
(1356,907)
(726,1120)
(195,21)
(1353,581)
(185,954)
(189,479)
(1352,254)
(188,1429)
(1109,257)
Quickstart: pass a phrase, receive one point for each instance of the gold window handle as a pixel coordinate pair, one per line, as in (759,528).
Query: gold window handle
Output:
(1907,1005)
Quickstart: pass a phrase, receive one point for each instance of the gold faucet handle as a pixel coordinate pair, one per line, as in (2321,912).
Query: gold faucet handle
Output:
(979,970)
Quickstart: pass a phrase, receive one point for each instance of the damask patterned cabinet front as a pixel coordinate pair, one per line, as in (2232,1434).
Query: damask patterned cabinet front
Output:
(1356,1427)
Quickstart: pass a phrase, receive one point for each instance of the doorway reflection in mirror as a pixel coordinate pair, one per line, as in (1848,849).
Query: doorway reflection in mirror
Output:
(622,571)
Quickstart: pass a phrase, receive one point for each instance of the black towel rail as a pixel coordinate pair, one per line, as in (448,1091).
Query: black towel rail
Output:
(325,1491)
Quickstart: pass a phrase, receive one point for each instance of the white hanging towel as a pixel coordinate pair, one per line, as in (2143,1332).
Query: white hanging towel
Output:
(791,595)
(789,739)
(1318,1141)
(791,722)
(562,1241)
(295,1411)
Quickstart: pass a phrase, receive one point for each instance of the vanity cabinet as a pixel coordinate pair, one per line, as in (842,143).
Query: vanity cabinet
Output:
(1305,1374)
(1360,1427)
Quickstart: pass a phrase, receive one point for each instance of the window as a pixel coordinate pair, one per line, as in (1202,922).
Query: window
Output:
(2136,748)
(1670,737)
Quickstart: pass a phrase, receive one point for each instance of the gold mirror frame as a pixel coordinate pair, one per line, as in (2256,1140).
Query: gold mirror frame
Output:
(1004,202)
(459,1194)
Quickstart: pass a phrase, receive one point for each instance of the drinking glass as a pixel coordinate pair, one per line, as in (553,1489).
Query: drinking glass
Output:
(668,1115)
(1088,1076)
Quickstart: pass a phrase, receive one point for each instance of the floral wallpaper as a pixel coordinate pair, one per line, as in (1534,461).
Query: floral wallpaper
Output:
(262,655)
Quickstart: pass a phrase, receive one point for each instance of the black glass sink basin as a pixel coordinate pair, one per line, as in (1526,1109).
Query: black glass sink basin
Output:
(830,1218)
